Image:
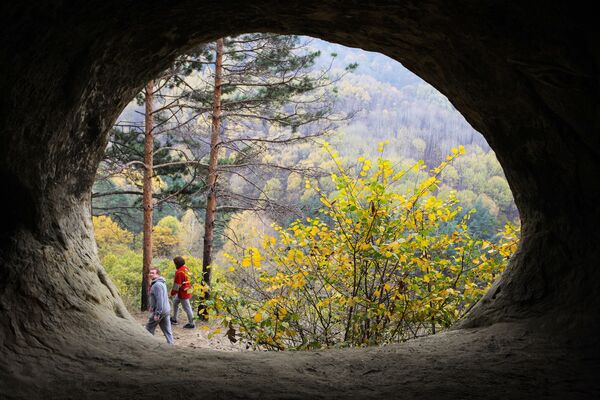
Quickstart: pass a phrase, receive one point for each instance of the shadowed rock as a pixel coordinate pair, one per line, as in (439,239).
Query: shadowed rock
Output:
(525,76)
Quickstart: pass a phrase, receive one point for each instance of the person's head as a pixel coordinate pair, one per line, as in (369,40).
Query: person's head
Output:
(154,273)
(179,261)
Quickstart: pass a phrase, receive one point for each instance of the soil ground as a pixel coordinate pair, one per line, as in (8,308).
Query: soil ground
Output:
(201,337)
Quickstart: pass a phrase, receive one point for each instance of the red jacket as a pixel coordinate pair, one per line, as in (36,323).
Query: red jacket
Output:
(182,286)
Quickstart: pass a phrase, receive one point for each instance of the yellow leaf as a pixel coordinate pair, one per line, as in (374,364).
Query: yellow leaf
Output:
(258,317)
(256,258)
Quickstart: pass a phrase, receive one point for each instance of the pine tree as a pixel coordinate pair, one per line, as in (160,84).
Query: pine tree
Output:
(147,194)
(261,84)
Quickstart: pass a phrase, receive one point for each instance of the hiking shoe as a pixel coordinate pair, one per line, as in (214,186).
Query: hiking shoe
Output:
(189,326)
(173,321)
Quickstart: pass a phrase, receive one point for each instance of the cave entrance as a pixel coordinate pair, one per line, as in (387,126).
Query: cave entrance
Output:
(524,76)
(294,113)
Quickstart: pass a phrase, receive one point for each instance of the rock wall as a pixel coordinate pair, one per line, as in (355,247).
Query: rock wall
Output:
(525,75)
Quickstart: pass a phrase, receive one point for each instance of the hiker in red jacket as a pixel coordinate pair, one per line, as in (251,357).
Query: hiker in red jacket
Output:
(182,290)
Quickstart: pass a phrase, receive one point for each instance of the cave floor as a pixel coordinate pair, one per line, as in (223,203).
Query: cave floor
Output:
(503,361)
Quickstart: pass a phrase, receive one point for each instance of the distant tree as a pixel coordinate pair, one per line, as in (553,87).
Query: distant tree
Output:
(190,233)
(124,271)
(497,188)
(172,223)
(482,223)
(110,237)
(166,239)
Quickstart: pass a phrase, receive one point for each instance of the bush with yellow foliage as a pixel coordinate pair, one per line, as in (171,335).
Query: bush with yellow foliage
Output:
(378,265)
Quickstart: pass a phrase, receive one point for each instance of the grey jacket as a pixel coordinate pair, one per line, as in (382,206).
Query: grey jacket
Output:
(159,299)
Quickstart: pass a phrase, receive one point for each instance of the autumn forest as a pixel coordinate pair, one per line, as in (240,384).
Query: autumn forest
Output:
(321,196)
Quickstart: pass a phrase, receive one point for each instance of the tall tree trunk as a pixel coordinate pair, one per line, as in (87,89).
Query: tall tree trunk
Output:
(147,196)
(211,202)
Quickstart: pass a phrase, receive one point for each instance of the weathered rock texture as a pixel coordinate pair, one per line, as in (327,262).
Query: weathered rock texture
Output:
(525,74)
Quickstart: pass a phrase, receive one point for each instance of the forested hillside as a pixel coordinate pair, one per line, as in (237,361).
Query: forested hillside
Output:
(388,102)
(394,103)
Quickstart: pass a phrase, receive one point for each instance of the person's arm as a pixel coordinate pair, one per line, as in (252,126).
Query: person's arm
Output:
(176,284)
(160,292)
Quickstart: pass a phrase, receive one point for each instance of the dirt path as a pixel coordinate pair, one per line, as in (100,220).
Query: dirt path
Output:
(202,337)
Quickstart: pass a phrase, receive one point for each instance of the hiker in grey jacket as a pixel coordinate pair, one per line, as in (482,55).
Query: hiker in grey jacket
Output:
(159,306)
